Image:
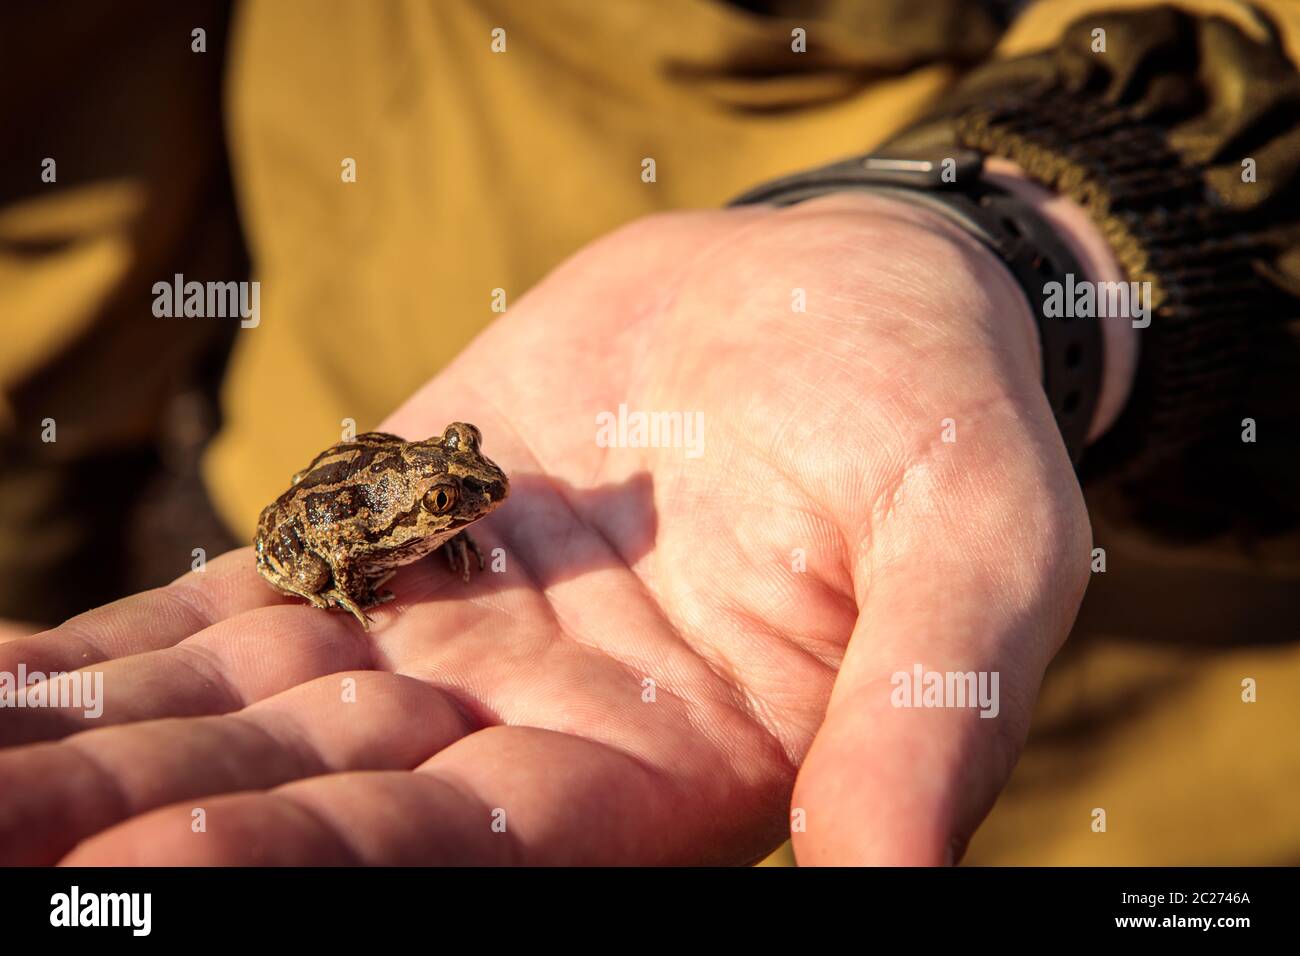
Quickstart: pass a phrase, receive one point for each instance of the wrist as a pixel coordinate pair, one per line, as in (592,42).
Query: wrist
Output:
(1021,242)
(903,259)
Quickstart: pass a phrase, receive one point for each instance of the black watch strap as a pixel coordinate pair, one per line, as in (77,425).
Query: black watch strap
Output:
(954,187)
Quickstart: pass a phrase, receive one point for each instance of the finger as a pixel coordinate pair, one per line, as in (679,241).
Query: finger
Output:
(362,720)
(986,586)
(154,619)
(502,795)
(223,668)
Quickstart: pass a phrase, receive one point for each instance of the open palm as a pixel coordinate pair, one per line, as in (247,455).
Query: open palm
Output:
(678,641)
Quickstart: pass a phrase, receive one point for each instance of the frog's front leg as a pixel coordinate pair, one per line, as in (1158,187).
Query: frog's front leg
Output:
(351,591)
(457,551)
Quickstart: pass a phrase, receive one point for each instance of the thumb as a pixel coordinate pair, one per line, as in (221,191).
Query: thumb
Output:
(978,608)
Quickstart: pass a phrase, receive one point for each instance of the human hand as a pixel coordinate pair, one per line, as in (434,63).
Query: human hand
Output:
(525,691)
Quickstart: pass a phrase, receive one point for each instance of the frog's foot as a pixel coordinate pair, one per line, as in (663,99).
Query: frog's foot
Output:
(313,598)
(289,589)
(339,599)
(457,551)
(306,580)
(377,596)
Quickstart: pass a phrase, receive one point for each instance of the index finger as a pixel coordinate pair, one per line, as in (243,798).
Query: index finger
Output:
(148,621)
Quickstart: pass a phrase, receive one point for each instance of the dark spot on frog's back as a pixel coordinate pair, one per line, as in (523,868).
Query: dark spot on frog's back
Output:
(287,541)
(344,461)
(425,456)
(403,519)
(392,461)
(328,507)
(328,473)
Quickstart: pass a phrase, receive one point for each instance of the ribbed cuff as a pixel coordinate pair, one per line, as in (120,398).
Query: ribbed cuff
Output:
(1164,227)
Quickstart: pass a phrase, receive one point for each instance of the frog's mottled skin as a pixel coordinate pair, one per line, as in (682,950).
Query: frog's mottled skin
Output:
(365,507)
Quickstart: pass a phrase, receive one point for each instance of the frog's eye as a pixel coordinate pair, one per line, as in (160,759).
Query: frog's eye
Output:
(441,498)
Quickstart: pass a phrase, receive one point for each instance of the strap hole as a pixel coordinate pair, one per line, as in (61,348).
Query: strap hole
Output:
(1071,403)
(1073,355)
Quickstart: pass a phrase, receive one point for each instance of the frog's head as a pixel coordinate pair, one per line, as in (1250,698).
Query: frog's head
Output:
(457,483)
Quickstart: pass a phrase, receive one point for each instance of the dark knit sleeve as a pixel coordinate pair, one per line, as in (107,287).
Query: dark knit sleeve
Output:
(1182,140)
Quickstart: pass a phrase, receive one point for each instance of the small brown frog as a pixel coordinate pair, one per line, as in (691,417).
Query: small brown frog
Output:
(365,507)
